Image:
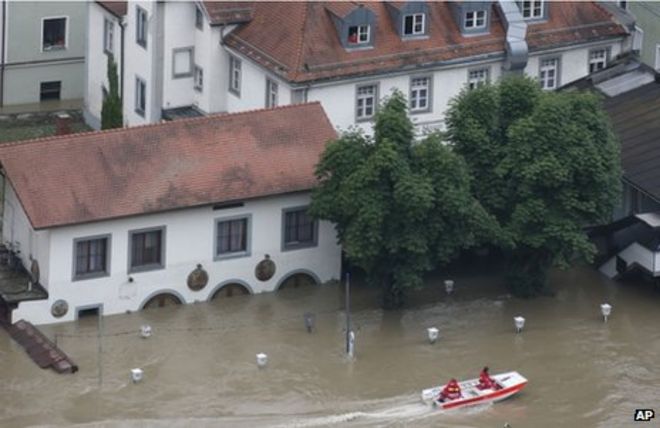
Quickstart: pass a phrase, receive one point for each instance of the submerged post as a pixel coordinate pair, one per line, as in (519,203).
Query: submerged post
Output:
(350,337)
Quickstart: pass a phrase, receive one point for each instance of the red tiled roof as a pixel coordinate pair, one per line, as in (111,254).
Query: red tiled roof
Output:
(299,41)
(101,175)
(228,12)
(117,8)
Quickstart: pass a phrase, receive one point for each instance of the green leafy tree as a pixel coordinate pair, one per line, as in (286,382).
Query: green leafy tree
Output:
(399,207)
(111,114)
(545,164)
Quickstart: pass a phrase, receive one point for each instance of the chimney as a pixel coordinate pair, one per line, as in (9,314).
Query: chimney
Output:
(62,124)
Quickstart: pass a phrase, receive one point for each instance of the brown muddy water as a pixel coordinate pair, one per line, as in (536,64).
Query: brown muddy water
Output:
(200,370)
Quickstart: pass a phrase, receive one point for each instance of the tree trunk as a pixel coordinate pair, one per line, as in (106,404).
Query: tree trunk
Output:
(392,294)
(528,273)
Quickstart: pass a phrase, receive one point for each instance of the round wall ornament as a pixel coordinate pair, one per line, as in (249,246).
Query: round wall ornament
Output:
(265,269)
(59,308)
(198,278)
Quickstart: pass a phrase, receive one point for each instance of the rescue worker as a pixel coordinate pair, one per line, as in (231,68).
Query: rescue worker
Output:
(451,391)
(485,381)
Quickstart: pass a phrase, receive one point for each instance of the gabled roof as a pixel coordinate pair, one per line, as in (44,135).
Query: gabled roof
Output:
(228,12)
(117,8)
(190,162)
(299,42)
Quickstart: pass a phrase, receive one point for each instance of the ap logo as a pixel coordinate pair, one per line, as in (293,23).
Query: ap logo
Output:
(644,415)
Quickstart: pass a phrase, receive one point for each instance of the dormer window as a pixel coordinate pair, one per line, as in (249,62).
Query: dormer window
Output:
(358,35)
(413,25)
(475,19)
(532,9)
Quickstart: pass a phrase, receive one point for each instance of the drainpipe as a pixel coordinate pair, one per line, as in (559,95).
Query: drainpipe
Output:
(516,44)
(121,65)
(2,52)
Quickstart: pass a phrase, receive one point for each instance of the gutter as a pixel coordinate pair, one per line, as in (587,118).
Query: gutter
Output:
(3,19)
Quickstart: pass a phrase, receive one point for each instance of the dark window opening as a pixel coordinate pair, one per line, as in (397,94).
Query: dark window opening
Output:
(50,91)
(54,34)
(199,18)
(299,229)
(91,256)
(146,249)
(88,313)
(232,236)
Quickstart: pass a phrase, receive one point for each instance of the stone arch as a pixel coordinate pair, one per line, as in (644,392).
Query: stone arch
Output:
(234,287)
(161,298)
(297,278)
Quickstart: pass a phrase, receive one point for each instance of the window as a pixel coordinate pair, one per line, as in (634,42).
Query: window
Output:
(548,73)
(366,101)
(597,60)
(271,93)
(532,9)
(232,237)
(199,18)
(235,75)
(108,36)
(358,35)
(182,62)
(475,19)
(50,90)
(413,25)
(141,27)
(299,229)
(91,257)
(53,34)
(199,79)
(623,5)
(420,93)
(299,96)
(478,77)
(140,96)
(147,249)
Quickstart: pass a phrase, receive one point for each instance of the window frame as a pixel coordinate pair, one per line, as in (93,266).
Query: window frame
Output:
(150,266)
(298,245)
(299,96)
(66,33)
(606,58)
(141,36)
(429,94)
(75,276)
(138,80)
(475,19)
(270,85)
(198,78)
(108,25)
(235,64)
(532,3)
(359,118)
(191,62)
(358,42)
(557,68)
(413,16)
(41,90)
(477,82)
(248,237)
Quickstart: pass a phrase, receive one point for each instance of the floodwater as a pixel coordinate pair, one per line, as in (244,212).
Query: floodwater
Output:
(200,369)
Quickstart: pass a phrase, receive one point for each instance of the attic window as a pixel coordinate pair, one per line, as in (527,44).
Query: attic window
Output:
(413,25)
(532,9)
(358,35)
(475,19)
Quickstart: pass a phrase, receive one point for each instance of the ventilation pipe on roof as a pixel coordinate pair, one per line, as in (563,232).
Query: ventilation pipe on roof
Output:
(516,30)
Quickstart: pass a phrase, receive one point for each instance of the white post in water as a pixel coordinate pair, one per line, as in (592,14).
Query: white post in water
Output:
(145,331)
(519,323)
(262,360)
(433,334)
(350,336)
(606,310)
(136,375)
(449,286)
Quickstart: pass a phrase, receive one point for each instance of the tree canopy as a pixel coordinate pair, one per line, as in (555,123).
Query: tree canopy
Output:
(111,114)
(546,165)
(400,207)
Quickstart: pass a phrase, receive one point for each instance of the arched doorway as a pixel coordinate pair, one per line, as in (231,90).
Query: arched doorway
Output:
(162,300)
(296,281)
(230,290)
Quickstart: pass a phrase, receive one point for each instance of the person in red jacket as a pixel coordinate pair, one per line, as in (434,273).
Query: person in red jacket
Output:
(485,381)
(451,391)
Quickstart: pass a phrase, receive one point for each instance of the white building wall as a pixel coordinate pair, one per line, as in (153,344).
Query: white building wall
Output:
(179,31)
(139,62)
(189,240)
(96,64)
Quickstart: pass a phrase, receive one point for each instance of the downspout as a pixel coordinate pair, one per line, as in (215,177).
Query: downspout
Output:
(121,65)
(516,43)
(2,52)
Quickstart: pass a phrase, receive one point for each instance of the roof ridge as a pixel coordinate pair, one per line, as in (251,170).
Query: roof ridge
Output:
(66,137)
(301,43)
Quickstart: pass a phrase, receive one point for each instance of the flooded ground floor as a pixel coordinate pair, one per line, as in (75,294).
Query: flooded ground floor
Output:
(200,369)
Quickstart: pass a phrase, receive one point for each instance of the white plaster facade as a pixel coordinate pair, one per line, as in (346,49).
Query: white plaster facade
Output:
(189,240)
(337,97)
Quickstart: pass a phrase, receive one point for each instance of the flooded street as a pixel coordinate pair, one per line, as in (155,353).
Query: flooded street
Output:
(200,369)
